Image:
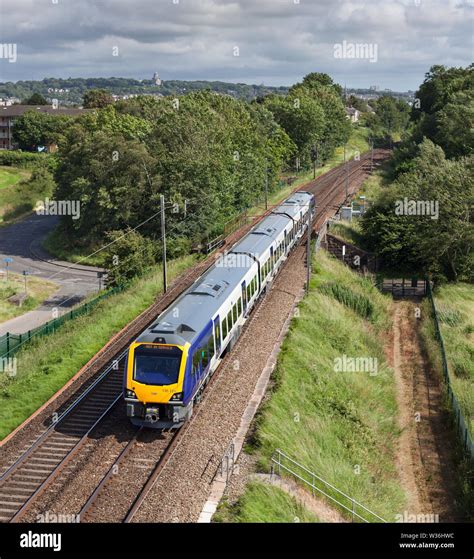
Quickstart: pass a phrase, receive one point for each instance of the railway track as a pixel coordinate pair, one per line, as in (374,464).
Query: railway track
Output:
(41,464)
(37,469)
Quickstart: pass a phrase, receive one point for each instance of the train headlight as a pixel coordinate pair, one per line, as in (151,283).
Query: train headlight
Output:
(130,394)
(176,397)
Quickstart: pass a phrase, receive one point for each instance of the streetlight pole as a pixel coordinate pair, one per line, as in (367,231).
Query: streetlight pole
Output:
(163,239)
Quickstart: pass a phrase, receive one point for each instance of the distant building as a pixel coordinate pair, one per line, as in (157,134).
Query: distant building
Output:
(353,114)
(156,78)
(9,113)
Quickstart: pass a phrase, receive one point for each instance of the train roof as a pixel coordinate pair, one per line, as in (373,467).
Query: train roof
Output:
(192,311)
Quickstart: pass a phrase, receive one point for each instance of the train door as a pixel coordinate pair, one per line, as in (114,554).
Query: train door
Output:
(217,335)
(244,296)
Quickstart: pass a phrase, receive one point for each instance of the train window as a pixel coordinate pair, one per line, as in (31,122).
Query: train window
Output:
(196,361)
(211,347)
(204,357)
(217,335)
(254,282)
(239,305)
(229,321)
(249,293)
(234,312)
(224,329)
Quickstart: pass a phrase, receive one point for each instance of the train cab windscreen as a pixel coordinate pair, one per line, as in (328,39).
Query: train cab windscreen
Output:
(157,365)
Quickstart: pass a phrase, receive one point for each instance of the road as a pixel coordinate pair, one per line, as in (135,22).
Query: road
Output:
(21,241)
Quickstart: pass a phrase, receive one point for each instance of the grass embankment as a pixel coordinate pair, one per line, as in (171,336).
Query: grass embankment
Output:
(56,244)
(265,503)
(455,306)
(10,176)
(38,291)
(20,191)
(49,362)
(340,425)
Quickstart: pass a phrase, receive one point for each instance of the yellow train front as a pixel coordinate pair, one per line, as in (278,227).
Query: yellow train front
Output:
(154,384)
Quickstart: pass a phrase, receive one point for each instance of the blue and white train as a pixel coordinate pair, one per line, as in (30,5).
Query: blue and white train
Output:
(171,362)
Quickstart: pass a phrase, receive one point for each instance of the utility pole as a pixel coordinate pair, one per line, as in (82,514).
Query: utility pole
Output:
(308,247)
(347,173)
(163,239)
(314,155)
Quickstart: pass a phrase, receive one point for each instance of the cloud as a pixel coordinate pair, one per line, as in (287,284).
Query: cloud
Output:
(278,40)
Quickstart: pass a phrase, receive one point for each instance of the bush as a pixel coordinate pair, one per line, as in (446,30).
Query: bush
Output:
(23,159)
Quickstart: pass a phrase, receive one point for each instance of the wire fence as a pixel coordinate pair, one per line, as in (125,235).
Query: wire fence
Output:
(461,424)
(11,343)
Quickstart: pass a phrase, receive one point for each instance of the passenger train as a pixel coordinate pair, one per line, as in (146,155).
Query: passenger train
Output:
(170,363)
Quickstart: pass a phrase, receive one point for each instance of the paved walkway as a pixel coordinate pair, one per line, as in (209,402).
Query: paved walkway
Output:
(21,241)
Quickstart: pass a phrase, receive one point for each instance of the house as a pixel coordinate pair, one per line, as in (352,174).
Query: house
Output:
(9,113)
(352,114)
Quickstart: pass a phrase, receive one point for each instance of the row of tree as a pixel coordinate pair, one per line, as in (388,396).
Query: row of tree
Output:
(424,220)
(210,155)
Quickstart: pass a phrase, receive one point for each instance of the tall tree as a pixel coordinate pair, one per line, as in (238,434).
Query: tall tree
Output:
(97,99)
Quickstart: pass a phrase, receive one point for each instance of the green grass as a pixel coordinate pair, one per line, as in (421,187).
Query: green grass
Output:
(455,306)
(350,232)
(10,176)
(38,291)
(57,246)
(19,194)
(337,423)
(264,503)
(48,363)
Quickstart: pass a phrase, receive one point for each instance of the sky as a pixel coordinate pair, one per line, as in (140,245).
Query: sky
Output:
(389,43)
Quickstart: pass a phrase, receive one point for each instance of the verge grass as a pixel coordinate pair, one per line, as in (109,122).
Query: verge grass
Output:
(56,244)
(455,306)
(19,194)
(340,425)
(48,363)
(38,291)
(264,503)
(10,176)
